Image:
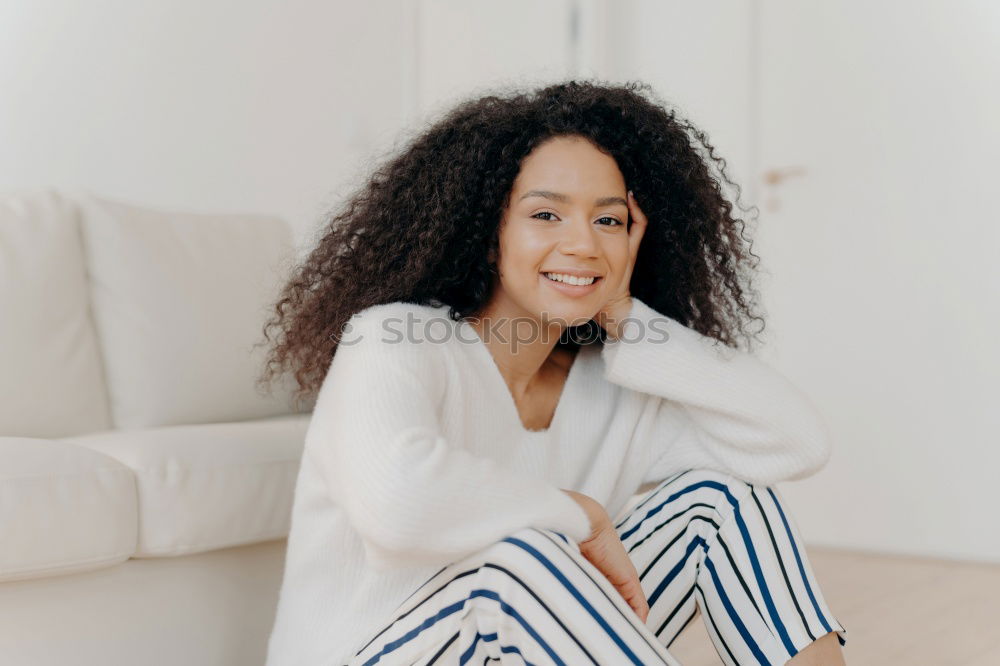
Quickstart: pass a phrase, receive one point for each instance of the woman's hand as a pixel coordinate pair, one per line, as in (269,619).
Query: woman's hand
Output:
(618,306)
(605,551)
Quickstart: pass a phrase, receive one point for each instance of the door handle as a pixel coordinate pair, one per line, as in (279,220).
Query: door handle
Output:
(777,176)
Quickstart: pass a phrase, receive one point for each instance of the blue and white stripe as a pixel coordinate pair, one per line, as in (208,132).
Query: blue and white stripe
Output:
(700,540)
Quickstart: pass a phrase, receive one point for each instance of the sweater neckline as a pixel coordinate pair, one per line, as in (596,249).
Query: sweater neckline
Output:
(496,377)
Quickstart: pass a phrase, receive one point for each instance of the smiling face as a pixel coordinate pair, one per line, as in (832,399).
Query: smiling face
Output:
(565,223)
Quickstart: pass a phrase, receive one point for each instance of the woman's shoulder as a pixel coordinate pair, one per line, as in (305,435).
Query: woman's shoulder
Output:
(389,339)
(392,315)
(381,311)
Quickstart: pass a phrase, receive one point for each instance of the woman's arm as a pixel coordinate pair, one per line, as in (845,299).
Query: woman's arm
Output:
(721,408)
(413,496)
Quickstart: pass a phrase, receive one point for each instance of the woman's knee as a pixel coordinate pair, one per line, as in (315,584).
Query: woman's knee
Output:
(746,510)
(726,486)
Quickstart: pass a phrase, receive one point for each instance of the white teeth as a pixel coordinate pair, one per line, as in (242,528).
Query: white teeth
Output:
(569,279)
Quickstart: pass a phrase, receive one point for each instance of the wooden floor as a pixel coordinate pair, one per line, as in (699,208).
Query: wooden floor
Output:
(896,610)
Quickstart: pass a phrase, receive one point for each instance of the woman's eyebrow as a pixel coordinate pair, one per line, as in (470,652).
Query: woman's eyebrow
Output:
(556,196)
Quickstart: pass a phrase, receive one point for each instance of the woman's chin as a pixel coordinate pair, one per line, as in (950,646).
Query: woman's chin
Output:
(567,314)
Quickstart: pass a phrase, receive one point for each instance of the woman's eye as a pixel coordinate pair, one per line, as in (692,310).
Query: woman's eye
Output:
(615,222)
(544,212)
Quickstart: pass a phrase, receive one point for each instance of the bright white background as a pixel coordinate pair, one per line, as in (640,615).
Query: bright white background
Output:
(875,120)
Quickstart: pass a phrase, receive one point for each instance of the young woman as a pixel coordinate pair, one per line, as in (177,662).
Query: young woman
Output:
(535,310)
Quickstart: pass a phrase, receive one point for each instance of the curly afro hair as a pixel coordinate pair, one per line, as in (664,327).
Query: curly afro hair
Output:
(424,226)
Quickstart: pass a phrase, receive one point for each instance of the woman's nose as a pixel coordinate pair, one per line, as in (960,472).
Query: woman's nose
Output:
(579,238)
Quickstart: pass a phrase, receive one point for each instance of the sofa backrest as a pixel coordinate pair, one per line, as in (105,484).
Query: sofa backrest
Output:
(127,317)
(51,377)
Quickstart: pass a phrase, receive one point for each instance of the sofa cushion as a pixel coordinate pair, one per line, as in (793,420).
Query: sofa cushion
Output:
(63,509)
(51,382)
(179,302)
(209,486)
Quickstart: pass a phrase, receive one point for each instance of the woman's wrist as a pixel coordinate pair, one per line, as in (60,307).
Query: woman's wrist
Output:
(595,512)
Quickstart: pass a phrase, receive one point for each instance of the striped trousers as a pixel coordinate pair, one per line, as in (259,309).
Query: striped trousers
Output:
(700,540)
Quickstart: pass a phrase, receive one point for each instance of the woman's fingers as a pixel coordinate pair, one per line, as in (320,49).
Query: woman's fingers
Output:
(635,233)
(639,224)
(632,592)
(604,549)
(606,552)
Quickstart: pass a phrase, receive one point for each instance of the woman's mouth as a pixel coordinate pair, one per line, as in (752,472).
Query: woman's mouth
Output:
(571,285)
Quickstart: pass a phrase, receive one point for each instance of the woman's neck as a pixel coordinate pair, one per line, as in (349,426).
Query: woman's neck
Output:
(521,348)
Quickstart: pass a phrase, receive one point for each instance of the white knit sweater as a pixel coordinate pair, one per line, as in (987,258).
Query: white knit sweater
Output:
(416,455)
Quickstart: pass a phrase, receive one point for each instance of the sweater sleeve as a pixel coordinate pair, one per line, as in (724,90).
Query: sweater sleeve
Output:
(414,497)
(719,408)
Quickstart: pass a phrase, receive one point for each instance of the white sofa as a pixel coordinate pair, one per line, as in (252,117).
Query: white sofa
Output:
(145,481)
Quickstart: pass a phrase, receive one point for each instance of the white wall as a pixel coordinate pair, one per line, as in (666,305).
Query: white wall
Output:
(697,57)
(467,47)
(227,105)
